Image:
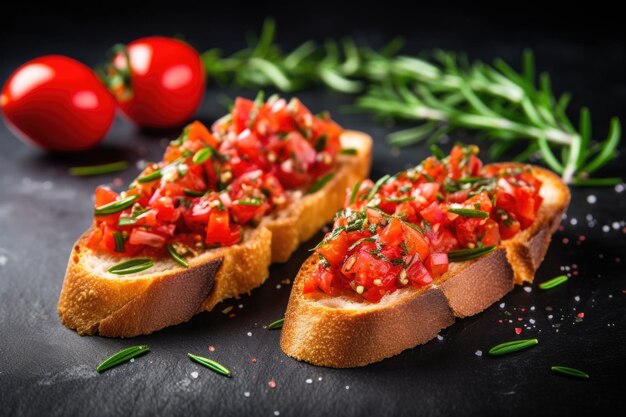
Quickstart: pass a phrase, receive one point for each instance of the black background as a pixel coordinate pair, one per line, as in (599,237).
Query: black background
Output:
(46,369)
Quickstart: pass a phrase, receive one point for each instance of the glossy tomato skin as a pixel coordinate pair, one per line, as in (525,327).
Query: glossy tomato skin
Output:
(167,82)
(58,104)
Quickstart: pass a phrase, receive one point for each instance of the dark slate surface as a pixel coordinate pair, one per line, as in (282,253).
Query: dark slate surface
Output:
(46,369)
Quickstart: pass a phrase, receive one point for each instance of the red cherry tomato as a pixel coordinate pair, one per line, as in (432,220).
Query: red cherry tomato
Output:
(166,82)
(58,104)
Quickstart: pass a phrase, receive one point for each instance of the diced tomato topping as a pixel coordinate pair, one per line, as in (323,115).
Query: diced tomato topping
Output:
(417,218)
(211,182)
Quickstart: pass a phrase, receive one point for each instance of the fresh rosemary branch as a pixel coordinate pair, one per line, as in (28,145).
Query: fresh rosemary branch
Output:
(442,93)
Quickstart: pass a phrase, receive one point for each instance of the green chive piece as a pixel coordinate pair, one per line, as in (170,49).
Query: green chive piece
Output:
(320,183)
(250,202)
(87,171)
(122,356)
(400,199)
(132,266)
(513,346)
(115,206)
(150,177)
(462,255)
(355,191)
(469,212)
(176,256)
(377,186)
(202,156)
(554,282)
(437,152)
(126,221)
(348,151)
(278,324)
(211,364)
(192,193)
(119,241)
(566,370)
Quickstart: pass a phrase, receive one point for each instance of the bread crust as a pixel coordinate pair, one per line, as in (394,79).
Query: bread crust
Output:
(327,332)
(93,301)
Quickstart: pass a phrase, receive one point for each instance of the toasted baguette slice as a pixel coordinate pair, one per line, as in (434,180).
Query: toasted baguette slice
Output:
(94,300)
(342,332)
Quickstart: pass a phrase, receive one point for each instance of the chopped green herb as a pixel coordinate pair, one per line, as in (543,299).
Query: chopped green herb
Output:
(399,199)
(320,183)
(150,177)
(377,186)
(348,151)
(115,206)
(122,356)
(463,255)
(250,202)
(210,363)
(469,212)
(176,256)
(554,282)
(320,144)
(566,370)
(192,193)
(510,347)
(119,241)
(437,152)
(132,266)
(98,169)
(355,191)
(278,324)
(202,156)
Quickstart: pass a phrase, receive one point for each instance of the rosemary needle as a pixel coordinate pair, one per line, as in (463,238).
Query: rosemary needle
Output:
(122,356)
(278,324)
(513,346)
(210,363)
(566,370)
(85,171)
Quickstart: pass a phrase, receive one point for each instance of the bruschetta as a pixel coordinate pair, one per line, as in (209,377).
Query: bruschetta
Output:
(410,253)
(205,223)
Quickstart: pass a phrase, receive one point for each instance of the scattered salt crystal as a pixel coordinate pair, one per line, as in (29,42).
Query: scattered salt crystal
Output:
(619,188)
(573,221)
(309,381)
(531,321)
(610,295)
(240,305)
(591,199)
(615,225)
(478,353)
(319,379)
(347,386)
(194,374)
(249,334)
(439,337)
(532,308)
(502,305)
(132,360)
(577,298)
(276,413)
(3,260)
(246,394)
(278,286)
(528,289)
(550,316)
(606,228)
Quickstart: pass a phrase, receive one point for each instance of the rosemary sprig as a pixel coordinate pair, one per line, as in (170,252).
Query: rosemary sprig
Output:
(132,266)
(462,255)
(210,363)
(513,346)
(122,356)
(278,324)
(86,171)
(567,371)
(554,282)
(115,206)
(442,92)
